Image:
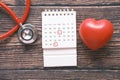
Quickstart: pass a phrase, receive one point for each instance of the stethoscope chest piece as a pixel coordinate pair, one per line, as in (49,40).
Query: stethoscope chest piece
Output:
(27,34)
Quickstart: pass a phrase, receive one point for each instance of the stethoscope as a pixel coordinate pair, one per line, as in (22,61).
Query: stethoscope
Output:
(27,33)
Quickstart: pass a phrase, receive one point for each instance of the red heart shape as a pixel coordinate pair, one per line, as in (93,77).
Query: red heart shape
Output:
(95,34)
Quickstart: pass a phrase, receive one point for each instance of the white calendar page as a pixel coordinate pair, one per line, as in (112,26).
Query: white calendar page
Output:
(58,36)
(59,29)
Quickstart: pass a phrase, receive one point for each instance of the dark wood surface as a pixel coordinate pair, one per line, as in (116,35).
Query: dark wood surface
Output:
(20,62)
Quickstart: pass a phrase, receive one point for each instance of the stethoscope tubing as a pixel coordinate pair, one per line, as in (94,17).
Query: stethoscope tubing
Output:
(17,20)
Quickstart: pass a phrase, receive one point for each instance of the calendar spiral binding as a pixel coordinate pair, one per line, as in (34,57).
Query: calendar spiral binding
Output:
(58,12)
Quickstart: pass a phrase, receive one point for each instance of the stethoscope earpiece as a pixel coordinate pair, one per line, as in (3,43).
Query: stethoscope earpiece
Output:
(27,34)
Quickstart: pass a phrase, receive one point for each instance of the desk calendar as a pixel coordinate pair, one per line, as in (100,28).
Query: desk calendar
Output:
(59,38)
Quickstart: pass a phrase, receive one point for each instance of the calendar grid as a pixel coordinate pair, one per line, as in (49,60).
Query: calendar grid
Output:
(59,28)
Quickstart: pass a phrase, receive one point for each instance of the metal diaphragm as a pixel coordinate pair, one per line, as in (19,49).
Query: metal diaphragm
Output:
(27,34)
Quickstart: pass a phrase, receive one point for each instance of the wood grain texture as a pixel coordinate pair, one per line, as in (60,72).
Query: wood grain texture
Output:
(59,75)
(64,2)
(20,56)
(20,62)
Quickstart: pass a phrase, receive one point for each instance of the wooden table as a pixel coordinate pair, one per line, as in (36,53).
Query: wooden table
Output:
(20,62)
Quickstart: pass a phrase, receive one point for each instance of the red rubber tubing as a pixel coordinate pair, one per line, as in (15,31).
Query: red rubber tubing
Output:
(17,20)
